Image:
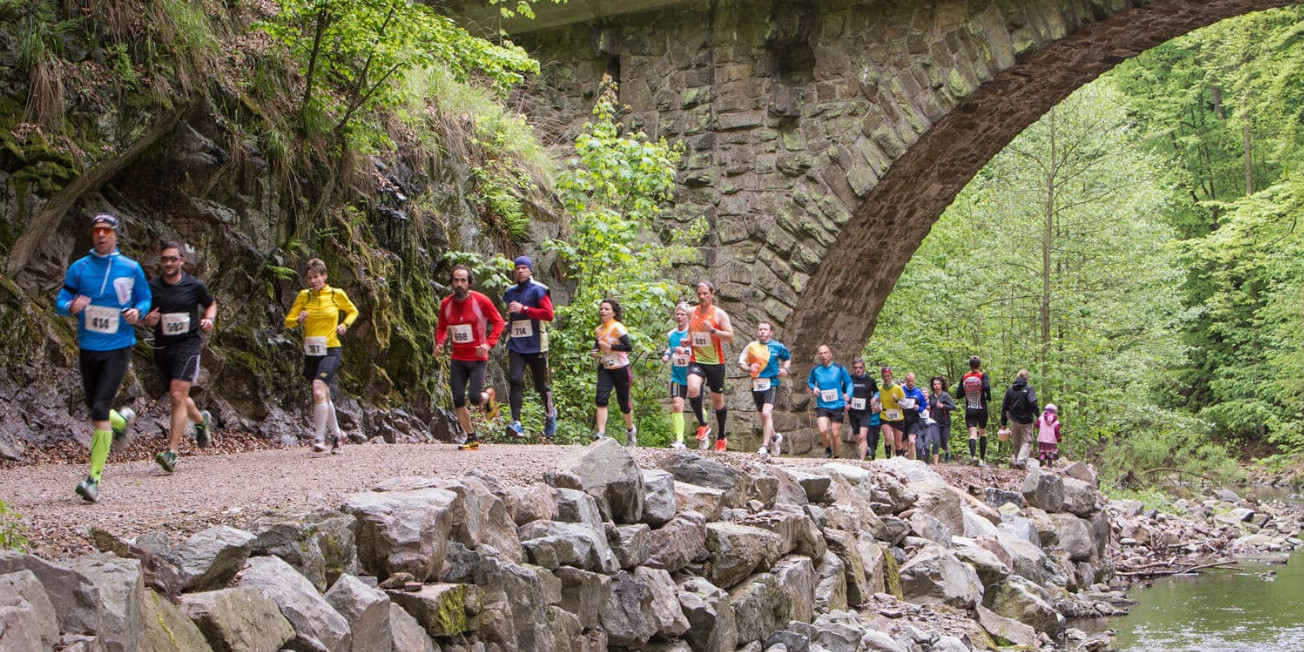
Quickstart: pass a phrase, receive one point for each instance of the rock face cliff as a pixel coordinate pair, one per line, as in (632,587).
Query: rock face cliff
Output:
(702,553)
(189,148)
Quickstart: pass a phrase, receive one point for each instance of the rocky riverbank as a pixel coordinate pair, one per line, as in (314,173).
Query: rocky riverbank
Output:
(698,554)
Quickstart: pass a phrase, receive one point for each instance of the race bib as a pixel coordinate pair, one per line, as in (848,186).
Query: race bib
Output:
(892,415)
(461,333)
(858,404)
(523,328)
(828,395)
(176,323)
(612,361)
(314,346)
(701,339)
(101,319)
(760,384)
(679,359)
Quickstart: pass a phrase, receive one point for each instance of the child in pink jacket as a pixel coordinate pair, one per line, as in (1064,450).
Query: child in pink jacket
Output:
(1048,436)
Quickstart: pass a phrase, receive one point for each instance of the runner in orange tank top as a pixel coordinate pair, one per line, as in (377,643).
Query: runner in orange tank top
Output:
(708,330)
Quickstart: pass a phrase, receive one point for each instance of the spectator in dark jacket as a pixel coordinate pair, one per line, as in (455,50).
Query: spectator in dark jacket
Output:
(1019,410)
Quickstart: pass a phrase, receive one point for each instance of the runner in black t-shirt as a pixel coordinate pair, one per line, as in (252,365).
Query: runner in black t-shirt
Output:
(177,324)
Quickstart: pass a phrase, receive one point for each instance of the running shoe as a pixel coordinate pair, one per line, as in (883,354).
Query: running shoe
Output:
(631,437)
(550,425)
(778,443)
(203,437)
(515,430)
(167,460)
(703,433)
(471,444)
(89,490)
(491,405)
(319,446)
(828,452)
(721,445)
(678,445)
(120,422)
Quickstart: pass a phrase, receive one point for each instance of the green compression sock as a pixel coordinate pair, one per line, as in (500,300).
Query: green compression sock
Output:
(677,418)
(100,442)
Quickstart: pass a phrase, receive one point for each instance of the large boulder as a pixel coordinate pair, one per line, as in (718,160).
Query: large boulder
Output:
(627,614)
(403,531)
(666,613)
(608,473)
(844,545)
(583,594)
(316,623)
(830,584)
(406,633)
(939,500)
(761,606)
(1073,535)
(659,504)
(796,574)
(632,544)
(27,617)
(122,589)
(441,609)
(1079,497)
(238,620)
(575,506)
(551,544)
(696,470)
(366,609)
(75,598)
(704,500)
(1007,631)
(737,551)
(935,576)
(209,559)
(1022,600)
(710,615)
(1044,491)
(794,526)
(320,543)
(167,628)
(536,502)
(679,542)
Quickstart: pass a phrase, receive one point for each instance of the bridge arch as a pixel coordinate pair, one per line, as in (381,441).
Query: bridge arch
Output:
(824,139)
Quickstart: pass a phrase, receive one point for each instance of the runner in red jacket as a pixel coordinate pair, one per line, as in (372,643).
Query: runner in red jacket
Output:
(471,321)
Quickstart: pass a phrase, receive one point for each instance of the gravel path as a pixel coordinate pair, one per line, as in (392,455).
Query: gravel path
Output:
(233,488)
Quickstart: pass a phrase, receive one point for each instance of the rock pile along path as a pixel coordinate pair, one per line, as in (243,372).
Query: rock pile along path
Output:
(234,488)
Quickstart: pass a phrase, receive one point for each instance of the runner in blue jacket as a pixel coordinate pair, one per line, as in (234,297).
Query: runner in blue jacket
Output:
(107,293)
(831,385)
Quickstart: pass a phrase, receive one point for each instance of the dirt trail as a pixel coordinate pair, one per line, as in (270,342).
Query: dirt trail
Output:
(233,488)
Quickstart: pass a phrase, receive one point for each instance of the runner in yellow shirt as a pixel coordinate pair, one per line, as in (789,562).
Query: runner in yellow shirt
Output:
(318,310)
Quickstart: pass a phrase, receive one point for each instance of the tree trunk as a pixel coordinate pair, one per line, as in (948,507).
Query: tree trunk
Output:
(91,180)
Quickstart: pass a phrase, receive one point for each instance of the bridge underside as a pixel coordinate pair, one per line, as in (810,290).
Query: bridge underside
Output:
(824,139)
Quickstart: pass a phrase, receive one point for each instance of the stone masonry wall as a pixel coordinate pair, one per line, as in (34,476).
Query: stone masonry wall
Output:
(823,139)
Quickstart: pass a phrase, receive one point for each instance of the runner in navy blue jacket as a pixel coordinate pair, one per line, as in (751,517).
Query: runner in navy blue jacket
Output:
(529,309)
(107,293)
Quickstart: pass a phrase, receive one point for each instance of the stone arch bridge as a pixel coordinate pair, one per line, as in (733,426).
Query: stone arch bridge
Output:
(824,139)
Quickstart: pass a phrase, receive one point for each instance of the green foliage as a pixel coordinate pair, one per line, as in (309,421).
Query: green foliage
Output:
(356,55)
(613,189)
(13,533)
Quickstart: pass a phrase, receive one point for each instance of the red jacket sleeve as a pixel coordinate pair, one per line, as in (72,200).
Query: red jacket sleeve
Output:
(543,312)
(441,327)
(495,320)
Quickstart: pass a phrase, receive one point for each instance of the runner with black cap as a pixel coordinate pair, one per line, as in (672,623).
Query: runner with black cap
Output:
(107,293)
